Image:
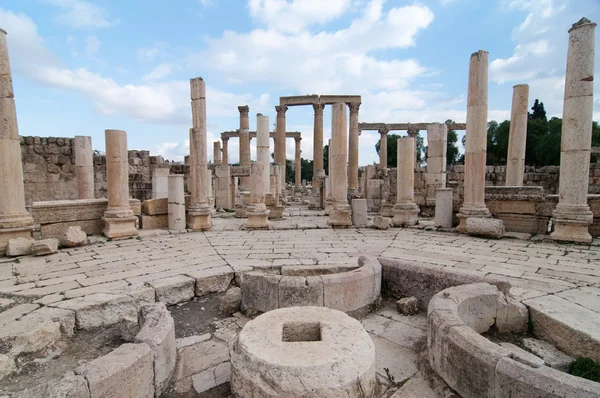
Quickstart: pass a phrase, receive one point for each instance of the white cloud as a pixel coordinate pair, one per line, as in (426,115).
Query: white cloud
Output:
(80,14)
(160,72)
(295,15)
(174,151)
(92,44)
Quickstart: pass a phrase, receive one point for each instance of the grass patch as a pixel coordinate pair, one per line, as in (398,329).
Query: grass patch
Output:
(586,368)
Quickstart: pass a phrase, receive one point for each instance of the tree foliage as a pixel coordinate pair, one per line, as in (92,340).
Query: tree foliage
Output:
(392,149)
(451,146)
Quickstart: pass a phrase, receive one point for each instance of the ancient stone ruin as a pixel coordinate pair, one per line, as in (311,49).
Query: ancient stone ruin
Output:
(125,275)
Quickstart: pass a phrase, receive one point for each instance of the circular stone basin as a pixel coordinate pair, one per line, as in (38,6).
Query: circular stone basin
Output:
(303,352)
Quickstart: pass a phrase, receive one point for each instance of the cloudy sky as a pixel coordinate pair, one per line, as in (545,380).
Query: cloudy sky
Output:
(83,66)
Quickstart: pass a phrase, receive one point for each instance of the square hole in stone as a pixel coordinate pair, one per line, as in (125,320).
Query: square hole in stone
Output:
(301,331)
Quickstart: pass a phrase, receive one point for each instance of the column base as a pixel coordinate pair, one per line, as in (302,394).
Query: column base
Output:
(571,224)
(340,216)
(120,227)
(275,212)
(7,234)
(199,219)
(405,214)
(258,217)
(240,211)
(471,211)
(328,206)
(386,209)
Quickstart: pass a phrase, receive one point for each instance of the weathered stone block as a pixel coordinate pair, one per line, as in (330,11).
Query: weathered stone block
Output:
(408,306)
(212,280)
(380,222)
(73,237)
(485,227)
(19,247)
(231,300)
(295,291)
(174,290)
(44,247)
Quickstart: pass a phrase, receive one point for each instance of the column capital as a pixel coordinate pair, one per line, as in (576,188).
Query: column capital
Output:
(298,139)
(412,132)
(224,139)
(353,106)
(281,110)
(384,131)
(244,110)
(318,108)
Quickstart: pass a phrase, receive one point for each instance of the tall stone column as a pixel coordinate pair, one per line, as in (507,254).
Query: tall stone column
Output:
(383,148)
(84,167)
(263,154)
(244,145)
(572,215)
(339,215)
(225,150)
(199,211)
(318,139)
(437,138)
(476,145)
(298,163)
(259,175)
(118,217)
(217,152)
(15,221)
(353,149)
(280,143)
(405,209)
(517,137)
(176,203)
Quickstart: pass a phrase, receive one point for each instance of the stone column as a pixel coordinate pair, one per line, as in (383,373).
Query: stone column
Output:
(353,149)
(176,203)
(160,182)
(318,139)
(263,154)
(298,164)
(199,212)
(258,215)
(15,221)
(84,167)
(339,215)
(280,143)
(405,209)
(476,145)
(225,151)
(437,137)
(209,186)
(383,148)
(244,145)
(572,215)
(217,152)
(515,163)
(118,217)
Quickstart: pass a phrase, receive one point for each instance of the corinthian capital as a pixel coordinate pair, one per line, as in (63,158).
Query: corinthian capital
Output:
(281,110)
(244,110)
(384,131)
(354,106)
(318,108)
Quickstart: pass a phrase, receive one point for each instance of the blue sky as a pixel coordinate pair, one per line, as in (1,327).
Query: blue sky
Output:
(83,66)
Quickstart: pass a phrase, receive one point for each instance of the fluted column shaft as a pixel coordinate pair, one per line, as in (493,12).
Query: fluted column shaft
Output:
(353,147)
(318,138)
(383,149)
(263,154)
(225,151)
(280,141)
(298,163)
(517,138)
(244,137)
(405,186)
(84,167)
(339,154)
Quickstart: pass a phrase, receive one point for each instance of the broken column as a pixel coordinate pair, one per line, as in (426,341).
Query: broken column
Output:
(176,203)
(298,163)
(244,137)
(517,138)
(217,152)
(383,148)
(160,182)
(263,154)
(84,167)
(318,139)
(353,149)
(280,141)
(476,145)
(118,217)
(437,136)
(225,151)
(572,215)
(15,221)
(258,215)
(199,211)
(405,209)
(339,214)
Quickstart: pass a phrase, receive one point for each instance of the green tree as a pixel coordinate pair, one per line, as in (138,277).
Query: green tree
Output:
(538,110)
(451,146)
(290,176)
(497,142)
(326,159)
(306,171)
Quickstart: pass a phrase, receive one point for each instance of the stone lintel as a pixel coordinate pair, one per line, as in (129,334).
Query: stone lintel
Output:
(406,126)
(333,99)
(235,134)
(296,100)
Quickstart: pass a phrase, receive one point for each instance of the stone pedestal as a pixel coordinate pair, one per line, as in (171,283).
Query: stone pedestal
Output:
(217,152)
(176,203)
(84,167)
(353,149)
(572,216)
(405,210)
(339,214)
(256,211)
(517,139)
(437,138)
(359,213)
(476,145)
(280,142)
(223,187)
(160,183)
(443,208)
(15,221)
(199,211)
(119,219)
